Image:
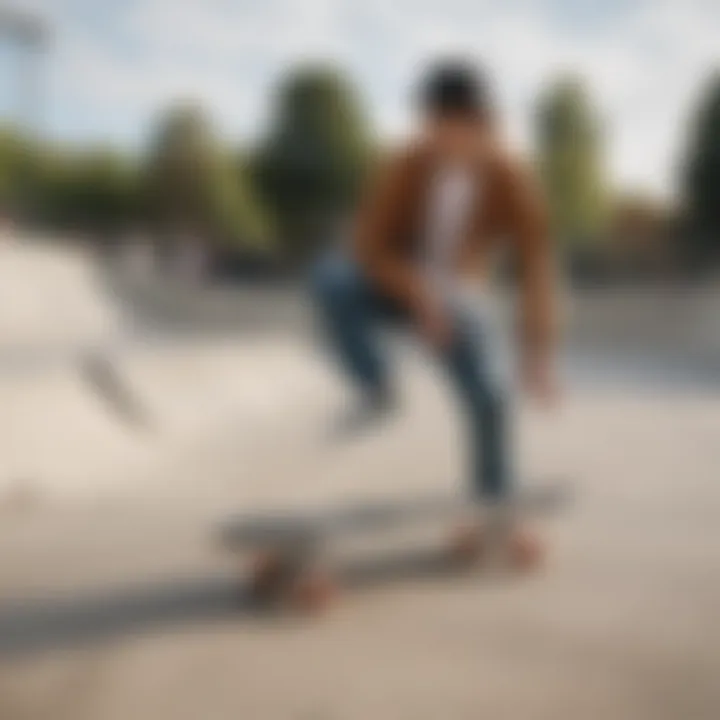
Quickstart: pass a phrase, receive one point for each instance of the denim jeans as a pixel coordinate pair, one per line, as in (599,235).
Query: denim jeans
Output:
(352,311)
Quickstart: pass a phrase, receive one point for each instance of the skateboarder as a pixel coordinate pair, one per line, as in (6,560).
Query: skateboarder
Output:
(422,244)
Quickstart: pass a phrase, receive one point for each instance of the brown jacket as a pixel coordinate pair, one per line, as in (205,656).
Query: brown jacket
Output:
(509,209)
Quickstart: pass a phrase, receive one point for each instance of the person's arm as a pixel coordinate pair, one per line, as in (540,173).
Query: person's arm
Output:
(379,229)
(376,233)
(528,219)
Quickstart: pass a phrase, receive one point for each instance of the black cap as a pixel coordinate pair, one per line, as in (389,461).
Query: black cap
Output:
(454,87)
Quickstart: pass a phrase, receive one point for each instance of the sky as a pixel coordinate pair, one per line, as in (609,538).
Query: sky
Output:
(113,64)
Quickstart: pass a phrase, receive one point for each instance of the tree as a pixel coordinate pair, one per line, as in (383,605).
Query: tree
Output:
(702,176)
(570,157)
(93,190)
(19,172)
(314,159)
(192,187)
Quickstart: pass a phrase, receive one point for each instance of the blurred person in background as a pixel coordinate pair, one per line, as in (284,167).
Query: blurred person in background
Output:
(421,245)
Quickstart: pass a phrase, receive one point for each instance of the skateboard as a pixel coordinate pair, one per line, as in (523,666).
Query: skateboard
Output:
(287,559)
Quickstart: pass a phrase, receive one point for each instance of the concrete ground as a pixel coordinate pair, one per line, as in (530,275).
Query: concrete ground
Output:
(121,606)
(116,603)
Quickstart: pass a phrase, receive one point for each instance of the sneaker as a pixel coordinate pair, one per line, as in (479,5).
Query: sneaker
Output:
(371,410)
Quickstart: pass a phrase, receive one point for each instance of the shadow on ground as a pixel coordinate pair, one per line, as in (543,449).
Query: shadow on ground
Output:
(42,625)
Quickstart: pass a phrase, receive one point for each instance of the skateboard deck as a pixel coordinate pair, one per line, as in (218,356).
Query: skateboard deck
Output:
(289,551)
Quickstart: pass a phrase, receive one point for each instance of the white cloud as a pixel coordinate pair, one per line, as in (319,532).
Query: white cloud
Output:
(114,65)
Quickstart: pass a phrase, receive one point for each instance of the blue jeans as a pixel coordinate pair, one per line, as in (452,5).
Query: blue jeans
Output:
(352,309)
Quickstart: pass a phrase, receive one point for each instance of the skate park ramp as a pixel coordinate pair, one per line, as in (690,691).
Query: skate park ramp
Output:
(105,376)
(89,403)
(110,381)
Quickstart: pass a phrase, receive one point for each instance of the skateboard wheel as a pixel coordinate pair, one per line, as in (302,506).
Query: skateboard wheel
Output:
(466,546)
(312,593)
(527,553)
(268,575)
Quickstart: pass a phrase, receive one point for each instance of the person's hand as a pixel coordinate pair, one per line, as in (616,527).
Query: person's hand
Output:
(539,381)
(433,323)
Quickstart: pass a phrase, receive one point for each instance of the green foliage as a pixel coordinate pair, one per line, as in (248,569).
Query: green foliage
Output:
(18,170)
(702,173)
(179,171)
(191,185)
(88,189)
(314,159)
(94,190)
(571,163)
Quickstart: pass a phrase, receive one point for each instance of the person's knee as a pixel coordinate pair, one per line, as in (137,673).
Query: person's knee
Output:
(486,398)
(481,383)
(333,279)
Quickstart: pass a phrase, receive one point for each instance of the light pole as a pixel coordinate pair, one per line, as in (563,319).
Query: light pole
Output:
(31,35)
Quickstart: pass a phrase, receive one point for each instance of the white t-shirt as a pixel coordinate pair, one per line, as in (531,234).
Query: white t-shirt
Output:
(450,207)
(452,193)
